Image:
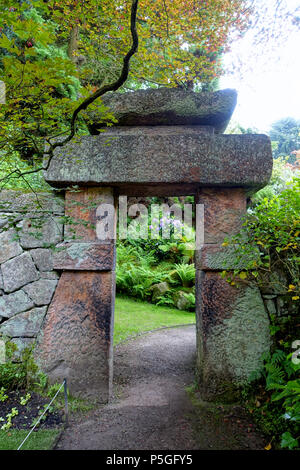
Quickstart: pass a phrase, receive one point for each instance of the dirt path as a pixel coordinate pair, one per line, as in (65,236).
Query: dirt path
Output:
(151,409)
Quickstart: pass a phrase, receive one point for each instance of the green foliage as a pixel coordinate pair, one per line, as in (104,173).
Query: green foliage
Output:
(55,55)
(269,243)
(3,396)
(140,268)
(286,134)
(281,179)
(12,374)
(165,299)
(186,274)
(177,248)
(41,440)
(75,404)
(32,182)
(191,301)
(20,373)
(274,398)
(288,442)
(137,280)
(6,426)
(144,262)
(25,400)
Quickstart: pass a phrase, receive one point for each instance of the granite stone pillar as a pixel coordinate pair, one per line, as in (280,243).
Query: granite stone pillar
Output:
(232,325)
(77,337)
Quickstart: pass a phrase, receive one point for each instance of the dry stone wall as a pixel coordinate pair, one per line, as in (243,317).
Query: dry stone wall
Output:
(30,227)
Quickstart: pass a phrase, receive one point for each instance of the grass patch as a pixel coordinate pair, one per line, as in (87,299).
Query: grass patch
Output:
(38,440)
(133,317)
(75,404)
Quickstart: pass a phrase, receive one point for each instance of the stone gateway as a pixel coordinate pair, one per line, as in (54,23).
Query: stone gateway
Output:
(167,143)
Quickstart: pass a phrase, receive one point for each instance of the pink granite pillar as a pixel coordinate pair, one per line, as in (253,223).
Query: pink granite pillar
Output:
(215,298)
(77,338)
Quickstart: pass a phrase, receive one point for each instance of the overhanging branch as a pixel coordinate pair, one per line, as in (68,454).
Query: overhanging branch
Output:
(104,89)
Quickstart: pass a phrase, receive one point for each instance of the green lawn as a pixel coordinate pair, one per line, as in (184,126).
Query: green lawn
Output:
(133,317)
(39,440)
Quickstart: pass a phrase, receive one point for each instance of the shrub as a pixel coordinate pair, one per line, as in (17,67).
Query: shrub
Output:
(274,398)
(186,274)
(137,280)
(269,242)
(191,301)
(18,375)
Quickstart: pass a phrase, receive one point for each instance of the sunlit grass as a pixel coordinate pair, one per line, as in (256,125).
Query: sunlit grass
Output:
(133,317)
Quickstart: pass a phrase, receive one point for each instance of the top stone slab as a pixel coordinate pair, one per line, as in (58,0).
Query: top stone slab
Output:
(167,107)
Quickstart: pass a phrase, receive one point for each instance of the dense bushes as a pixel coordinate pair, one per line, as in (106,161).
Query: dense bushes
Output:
(19,371)
(269,246)
(269,242)
(158,270)
(140,275)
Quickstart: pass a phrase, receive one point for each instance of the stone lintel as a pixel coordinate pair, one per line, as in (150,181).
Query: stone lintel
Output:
(163,155)
(84,257)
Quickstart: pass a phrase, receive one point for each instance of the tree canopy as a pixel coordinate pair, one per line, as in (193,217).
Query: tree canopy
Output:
(56,56)
(286,134)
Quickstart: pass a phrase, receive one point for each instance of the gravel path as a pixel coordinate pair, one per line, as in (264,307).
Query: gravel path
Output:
(151,409)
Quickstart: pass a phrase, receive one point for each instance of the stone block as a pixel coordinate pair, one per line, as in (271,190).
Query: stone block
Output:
(167,106)
(14,303)
(180,300)
(214,257)
(159,289)
(271,307)
(81,207)
(223,212)
(84,257)
(41,291)
(9,246)
(274,283)
(42,258)
(25,324)
(18,272)
(40,232)
(171,158)
(7,217)
(49,275)
(22,344)
(23,202)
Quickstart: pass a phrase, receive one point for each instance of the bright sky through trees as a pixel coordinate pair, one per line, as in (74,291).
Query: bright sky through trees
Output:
(267,76)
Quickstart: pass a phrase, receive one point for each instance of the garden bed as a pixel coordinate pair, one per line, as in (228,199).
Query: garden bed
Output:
(28,413)
(25,408)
